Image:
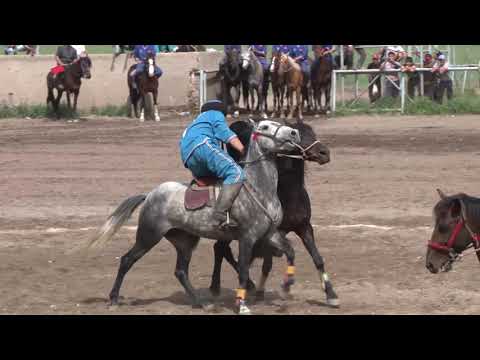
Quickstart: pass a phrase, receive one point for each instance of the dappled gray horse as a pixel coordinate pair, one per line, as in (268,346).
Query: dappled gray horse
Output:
(254,81)
(257,210)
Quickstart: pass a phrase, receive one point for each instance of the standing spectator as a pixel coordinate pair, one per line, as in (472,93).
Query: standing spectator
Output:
(391,79)
(429,78)
(413,83)
(441,69)
(363,56)
(375,89)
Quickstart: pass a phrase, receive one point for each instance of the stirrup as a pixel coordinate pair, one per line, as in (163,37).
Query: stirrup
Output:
(228,224)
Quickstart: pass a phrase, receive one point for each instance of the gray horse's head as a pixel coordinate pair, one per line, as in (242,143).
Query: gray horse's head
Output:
(246,59)
(274,137)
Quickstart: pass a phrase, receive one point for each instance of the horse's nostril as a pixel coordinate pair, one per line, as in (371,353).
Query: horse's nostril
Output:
(294,133)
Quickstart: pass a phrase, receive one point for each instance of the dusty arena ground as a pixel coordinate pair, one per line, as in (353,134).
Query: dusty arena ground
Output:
(372,216)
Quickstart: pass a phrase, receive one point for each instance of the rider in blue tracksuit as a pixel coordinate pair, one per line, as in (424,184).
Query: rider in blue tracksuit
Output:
(202,154)
(229,48)
(284,49)
(300,54)
(140,53)
(260,52)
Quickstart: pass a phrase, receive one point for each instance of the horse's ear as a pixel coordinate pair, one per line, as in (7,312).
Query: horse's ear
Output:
(441,194)
(252,122)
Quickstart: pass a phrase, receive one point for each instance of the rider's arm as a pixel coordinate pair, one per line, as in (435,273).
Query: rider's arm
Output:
(222,132)
(237,145)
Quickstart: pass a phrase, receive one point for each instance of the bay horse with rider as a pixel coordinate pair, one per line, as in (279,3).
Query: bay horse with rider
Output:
(66,77)
(143,82)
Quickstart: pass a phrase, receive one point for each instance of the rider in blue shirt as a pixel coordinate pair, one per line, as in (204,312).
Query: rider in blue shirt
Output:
(201,152)
(260,52)
(228,48)
(300,54)
(140,53)
(284,49)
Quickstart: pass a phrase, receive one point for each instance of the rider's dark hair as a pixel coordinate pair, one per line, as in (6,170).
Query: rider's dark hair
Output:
(215,105)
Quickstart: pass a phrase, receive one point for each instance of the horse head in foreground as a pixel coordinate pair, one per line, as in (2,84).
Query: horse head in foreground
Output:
(257,210)
(457,226)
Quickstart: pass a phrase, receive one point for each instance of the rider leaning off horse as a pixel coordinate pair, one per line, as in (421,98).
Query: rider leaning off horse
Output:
(203,156)
(140,54)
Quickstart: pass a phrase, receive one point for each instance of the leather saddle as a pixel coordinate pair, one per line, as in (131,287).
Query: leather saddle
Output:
(202,192)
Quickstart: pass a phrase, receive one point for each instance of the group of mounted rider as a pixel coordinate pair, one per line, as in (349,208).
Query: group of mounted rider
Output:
(290,71)
(73,64)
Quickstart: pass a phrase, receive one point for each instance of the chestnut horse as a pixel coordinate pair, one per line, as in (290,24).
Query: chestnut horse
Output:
(294,82)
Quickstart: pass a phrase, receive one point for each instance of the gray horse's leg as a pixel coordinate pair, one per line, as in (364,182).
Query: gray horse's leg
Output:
(266,269)
(244,260)
(147,238)
(306,234)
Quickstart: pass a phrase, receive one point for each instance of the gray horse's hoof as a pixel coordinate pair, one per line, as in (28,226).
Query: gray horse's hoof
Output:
(317,116)
(209,307)
(334,302)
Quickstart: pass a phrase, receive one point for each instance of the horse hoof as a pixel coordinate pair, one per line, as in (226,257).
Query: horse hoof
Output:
(334,302)
(317,116)
(142,120)
(215,291)
(260,296)
(236,114)
(157,118)
(244,310)
(209,307)
(265,116)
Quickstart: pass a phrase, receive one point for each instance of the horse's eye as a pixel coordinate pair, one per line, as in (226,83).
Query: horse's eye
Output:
(264,127)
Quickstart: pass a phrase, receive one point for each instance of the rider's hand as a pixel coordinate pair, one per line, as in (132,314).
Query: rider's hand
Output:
(237,145)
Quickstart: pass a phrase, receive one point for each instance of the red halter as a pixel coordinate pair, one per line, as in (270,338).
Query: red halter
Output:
(453,237)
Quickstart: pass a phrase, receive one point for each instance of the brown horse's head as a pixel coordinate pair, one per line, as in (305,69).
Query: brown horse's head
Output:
(85,66)
(450,236)
(313,149)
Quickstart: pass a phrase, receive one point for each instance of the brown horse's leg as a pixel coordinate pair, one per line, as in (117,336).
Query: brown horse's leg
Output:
(155,102)
(56,103)
(75,99)
(69,103)
(299,103)
(290,103)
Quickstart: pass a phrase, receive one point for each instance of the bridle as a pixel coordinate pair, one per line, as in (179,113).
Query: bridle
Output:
(256,134)
(449,247)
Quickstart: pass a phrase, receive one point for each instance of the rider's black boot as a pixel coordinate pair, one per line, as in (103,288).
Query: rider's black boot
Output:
(224,203)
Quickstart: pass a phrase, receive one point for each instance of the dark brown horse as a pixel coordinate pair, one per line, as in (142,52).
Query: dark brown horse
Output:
(68,81)
(457,228)
(145,93)
(322,69)
(295,205)
(278,85)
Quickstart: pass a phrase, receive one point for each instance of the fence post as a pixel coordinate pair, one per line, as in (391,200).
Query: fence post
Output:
(422,84)
(464,82)
(333,97)
(402,91)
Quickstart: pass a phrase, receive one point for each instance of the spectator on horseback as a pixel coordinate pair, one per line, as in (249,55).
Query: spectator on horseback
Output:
(140,54)
(326,51)
(300,54)
(230,48)
(65,55)
(260,52)
(202,155)
(284,49)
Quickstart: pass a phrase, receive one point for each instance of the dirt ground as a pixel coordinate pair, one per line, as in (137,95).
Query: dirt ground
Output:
(372,216)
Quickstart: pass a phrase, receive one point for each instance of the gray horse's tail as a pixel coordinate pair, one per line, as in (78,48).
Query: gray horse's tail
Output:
(116,221)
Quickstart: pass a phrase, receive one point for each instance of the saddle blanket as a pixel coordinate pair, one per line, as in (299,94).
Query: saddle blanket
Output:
(57,70)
